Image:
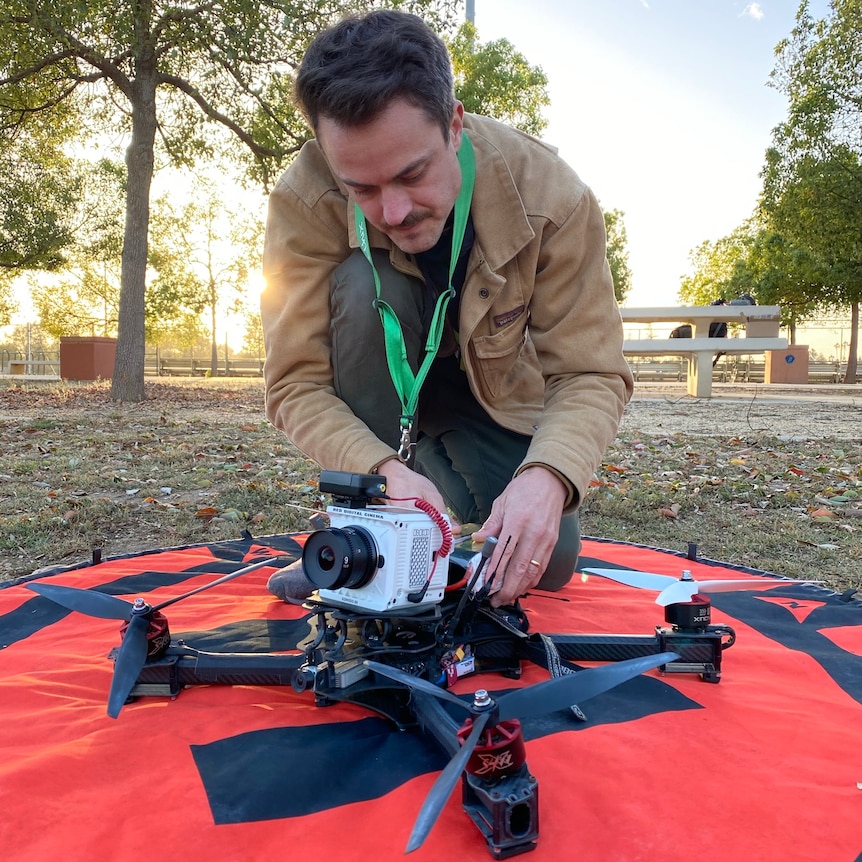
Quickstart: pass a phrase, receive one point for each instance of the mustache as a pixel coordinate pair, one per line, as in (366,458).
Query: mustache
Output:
(409,221)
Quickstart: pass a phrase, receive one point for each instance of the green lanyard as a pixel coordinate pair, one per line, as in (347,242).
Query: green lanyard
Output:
(407,385)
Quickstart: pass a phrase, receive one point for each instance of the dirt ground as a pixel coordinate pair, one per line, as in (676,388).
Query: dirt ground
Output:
(812,413)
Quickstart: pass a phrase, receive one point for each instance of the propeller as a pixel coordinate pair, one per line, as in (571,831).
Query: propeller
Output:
(672,590)
(132,655)
(544,697)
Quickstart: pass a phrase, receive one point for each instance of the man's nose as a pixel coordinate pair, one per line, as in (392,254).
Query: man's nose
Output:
(396,206)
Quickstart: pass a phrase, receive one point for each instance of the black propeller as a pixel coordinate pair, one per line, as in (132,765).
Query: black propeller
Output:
(88,602)
(436,800)
(132,655)
(548,696)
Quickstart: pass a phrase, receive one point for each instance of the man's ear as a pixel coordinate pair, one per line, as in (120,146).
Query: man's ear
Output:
(456,125)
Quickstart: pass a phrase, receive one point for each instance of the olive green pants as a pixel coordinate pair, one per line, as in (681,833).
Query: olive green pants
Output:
(468,456)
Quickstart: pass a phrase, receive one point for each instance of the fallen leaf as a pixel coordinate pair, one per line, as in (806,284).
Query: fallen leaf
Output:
(822,514)
(615,468)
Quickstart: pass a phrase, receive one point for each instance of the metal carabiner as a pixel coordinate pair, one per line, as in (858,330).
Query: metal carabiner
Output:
(406,444)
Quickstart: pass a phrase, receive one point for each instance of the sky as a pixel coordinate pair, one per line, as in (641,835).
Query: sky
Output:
(662,107)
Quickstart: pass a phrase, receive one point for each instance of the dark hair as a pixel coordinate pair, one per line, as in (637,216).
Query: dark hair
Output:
(352,71)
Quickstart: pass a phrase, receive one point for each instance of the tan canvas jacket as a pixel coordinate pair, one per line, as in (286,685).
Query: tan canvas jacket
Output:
(540,331)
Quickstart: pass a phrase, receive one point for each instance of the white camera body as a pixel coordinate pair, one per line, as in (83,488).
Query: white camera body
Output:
(395,555)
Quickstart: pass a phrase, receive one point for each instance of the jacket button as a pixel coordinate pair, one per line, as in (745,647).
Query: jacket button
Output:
(483,292)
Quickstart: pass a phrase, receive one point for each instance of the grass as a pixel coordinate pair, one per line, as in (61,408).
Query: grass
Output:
(789,507)
(197,462)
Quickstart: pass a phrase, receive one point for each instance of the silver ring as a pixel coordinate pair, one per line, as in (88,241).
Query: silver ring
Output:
(536,563)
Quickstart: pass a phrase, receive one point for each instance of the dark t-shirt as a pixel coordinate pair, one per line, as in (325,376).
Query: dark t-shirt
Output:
(446,385)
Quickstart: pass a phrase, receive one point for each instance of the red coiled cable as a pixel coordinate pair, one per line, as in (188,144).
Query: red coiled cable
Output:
(436,516)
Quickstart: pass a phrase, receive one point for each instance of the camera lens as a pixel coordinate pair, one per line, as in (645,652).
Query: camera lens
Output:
(340,557)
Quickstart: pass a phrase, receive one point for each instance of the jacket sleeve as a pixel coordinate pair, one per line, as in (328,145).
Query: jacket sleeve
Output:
(576,329)
(306,239)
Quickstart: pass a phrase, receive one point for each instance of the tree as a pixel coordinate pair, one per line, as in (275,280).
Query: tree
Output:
(252,339)
(756,260)
(812,180)
(38,180)
(713,265)
(82,298)
(172,72)
(618,253)
(8,306)
(496,80)
(38,188)
(207,252)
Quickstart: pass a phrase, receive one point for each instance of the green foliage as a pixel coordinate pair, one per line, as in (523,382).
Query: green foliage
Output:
(712,264)
(38,189)
(8,305)
(83,298)
(812,180)
(618,253)
(203,257)
(757,260)
(728,267)
(252,342)
(196,257)
(802,249)
(496,80)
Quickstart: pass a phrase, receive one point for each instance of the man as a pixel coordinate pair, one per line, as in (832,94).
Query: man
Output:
(401,196)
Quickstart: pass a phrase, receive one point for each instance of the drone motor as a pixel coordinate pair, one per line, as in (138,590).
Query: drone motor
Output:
(158,633)
(693,615)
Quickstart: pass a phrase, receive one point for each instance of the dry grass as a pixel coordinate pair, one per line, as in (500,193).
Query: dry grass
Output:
(198,462)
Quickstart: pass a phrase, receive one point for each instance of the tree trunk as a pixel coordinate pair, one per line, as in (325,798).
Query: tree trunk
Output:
(214,340)
(128,380)
(850,376)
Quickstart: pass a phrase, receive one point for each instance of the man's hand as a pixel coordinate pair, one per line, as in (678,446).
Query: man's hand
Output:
(525,518)
(403,483)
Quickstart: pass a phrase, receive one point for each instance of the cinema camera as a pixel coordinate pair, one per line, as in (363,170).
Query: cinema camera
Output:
(375,558)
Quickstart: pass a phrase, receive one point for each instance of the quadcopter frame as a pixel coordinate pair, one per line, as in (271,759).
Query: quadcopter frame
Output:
(333,666)
(401,664)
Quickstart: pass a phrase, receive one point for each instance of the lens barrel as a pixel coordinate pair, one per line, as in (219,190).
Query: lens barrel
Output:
(340,557)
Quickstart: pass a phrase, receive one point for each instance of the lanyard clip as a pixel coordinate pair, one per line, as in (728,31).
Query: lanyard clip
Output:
(406,443)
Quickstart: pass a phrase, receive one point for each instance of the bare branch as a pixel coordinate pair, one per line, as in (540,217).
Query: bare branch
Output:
(200,100)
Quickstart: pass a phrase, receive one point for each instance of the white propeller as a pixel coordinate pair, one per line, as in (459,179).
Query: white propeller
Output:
(673,590)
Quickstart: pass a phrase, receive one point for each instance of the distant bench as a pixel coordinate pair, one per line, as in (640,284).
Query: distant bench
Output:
(34,366)
(201,368)
(700,353)
(761,324)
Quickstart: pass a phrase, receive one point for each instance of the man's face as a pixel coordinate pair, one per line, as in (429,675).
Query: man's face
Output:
(400,171)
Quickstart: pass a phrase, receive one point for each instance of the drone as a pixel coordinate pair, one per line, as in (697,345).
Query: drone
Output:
(396,619)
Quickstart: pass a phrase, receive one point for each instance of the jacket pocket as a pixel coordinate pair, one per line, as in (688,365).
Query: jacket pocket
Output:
(506,365)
